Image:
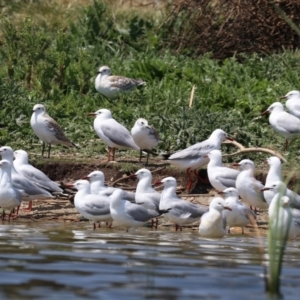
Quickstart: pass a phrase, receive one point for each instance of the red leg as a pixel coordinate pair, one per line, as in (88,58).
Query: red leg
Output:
(286,144)
(114,152)
(108,154)
(94,226)
(156,223)
(29,208)
(190,179)
(176,227)
(99,224)
(203,180)
(3,215)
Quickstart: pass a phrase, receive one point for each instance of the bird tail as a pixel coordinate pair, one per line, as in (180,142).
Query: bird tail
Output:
(163,211)
(165,156)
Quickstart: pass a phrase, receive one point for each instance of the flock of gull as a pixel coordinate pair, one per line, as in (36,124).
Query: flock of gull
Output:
(243,193)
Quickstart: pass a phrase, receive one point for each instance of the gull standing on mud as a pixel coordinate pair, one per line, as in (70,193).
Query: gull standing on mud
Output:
(29,190)
(10,197)
(145,136)
(220,177)
(293,103)
(129,214)
(284,123)
(248,187)
(24,168)
(97,179)
(240,215)
(93,207)
(213,222)
(181,212)
(112,132)
(110,86)
(194,157)
(47,129)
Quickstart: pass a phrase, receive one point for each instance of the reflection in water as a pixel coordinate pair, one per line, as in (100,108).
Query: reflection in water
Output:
(54,261)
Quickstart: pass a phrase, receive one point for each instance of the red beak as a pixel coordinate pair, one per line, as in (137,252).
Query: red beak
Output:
(226,207)
(205,156)
(265,189)
(221,193)
(157,183)
(69,185)
(265,161)
(282,97)
(92,114)
(265,112)
(230,138)
(236,165)
(132,176)
(85,177)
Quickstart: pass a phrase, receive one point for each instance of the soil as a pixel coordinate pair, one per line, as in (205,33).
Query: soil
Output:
(64,171)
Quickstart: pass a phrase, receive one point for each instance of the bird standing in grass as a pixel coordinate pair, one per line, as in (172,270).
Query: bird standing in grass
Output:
(111,86)
(47,129)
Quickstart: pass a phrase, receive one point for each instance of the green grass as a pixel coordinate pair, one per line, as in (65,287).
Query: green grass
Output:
(55,63)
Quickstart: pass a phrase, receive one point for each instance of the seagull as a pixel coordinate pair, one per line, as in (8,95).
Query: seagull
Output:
(181,212)
(193,157)
(281,218)
(35,175)
(293,103)
(220,177)
(240,215)
(10,197)
(97,179)
(93,207)
(112,133)
(145,194)
(145,136)
(47,129)
(110,86)
(274,175)
(213,223)
(130,214)
(29,190)
(284,123)
(248,187)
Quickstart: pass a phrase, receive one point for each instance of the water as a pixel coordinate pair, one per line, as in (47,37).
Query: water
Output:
(57,260)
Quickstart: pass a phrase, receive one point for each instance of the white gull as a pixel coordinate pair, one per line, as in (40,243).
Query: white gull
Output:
(293,102)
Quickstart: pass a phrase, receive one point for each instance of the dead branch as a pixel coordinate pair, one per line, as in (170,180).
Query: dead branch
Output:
(242,150)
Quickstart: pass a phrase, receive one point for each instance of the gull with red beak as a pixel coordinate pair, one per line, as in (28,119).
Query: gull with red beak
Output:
(213,223)
(194,157)
(112,132)
(284,123)
(293,102)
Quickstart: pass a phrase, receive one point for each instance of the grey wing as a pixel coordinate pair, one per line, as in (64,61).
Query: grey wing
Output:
(295,199)
(196,211)
(118,134)
(193,151)
(56,130)
(228,178)
(248,213)
(96,208)
(140,213)
(153,132)
(124,83)
(291,124)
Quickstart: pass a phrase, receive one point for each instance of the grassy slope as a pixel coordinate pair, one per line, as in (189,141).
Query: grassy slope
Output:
(53,55)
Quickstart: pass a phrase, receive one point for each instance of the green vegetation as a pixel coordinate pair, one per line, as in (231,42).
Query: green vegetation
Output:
(50,54)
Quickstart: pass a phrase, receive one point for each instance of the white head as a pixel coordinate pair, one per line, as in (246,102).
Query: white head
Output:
(246,164)
(275,107)
(277,187)
(218,204)
(104,70)
(141,123)
(39,109)
(220,135)
(5,165)
(21,156)
(143,173)
(273,161)
(215,155)
(95,176)
(102,113)
(7,153)
(230,192)
(117,198)
(291,95)
(169,182)
(82,185)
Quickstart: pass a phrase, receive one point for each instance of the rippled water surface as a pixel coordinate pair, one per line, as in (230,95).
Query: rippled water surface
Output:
(56,260)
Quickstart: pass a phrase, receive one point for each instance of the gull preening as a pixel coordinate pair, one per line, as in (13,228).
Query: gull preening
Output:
(10,197)
(213,222)
(129,214)
(220,177)
(93,207)
(47,129)
(194,157)
(24,168)
(112,132)
(248,187)
(29,190)
(293,102)
(111,86)
(283,122)
(181,212)
(98,187)
(145,136)
(240,215)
